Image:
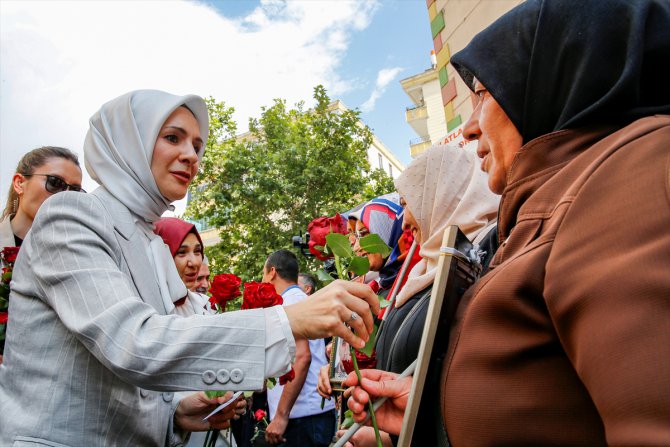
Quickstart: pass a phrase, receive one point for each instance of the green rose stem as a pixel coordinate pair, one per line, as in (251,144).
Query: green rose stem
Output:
(373,418)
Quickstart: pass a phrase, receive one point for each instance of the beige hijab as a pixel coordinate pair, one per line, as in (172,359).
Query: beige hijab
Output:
(444,186)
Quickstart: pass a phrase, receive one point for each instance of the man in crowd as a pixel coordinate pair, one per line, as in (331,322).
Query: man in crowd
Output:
(202,280)
(307,283)
(297,418)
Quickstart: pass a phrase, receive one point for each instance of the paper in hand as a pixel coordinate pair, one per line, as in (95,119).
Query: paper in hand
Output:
(224,405)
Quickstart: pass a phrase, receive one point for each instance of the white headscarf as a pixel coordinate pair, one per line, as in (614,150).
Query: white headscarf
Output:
(444,186)
(118,150)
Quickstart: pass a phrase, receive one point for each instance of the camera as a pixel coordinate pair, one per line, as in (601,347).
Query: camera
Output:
(302,242)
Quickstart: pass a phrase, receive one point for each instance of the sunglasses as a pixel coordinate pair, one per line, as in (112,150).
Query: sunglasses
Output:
(55,184)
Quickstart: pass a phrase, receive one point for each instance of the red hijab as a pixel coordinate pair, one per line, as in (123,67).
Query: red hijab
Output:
(174,231)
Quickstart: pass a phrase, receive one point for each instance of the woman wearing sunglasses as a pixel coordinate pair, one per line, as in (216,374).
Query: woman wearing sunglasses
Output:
(40,173)
(96,288)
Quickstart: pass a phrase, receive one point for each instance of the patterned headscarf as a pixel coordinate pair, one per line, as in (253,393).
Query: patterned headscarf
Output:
(443,186)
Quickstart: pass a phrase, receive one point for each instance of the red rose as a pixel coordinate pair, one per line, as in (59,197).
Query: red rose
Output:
(224,288)
(286,378)
(259,414)
(364,362)
(321,227)
(9,254)
(258,295)
(3,317)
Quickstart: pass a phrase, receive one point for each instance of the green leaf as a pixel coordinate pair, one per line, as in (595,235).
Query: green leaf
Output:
(248,394)
(370,345)
(323,276)
(359,265)
(213,394)
(383,302)
(372,243)
(348,420)
(339,245)
(271,382)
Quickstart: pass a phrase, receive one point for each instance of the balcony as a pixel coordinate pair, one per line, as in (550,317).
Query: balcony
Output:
(417,118)
(416,113)
(418,146)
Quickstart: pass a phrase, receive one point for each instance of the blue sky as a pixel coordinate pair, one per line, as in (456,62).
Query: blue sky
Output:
(61,59)
(398,36)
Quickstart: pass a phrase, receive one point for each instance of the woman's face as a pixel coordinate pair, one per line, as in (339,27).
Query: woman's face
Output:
(175,159)
(31,189)
(376,260)
(409,222)
(188,260)
(499,139)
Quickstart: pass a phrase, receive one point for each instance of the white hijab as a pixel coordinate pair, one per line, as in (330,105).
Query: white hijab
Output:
(444,186)
(118,150)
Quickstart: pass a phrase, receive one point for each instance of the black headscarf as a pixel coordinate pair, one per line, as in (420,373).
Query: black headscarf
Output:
(558,64)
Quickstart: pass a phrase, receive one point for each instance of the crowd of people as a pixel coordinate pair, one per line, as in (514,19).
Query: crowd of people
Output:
(564,339)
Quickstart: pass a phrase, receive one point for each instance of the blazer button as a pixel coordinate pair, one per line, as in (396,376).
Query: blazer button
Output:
(143,392)
(167,397)
(222,376)
(209,377)
(236,375)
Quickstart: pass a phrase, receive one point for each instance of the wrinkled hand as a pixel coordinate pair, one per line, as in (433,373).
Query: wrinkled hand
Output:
(323,386)
(378,384)
(365,437)
(274,433)
(192,409)
(324,313)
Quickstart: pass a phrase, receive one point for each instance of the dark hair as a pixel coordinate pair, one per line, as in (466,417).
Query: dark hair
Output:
(309,280)
(285,263)
(33,160)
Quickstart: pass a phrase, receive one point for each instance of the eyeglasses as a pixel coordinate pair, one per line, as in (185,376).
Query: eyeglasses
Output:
(55,184)
(358,234)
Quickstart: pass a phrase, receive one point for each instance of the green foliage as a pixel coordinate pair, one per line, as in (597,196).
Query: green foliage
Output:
(372,243)
(380,183)
(263,188)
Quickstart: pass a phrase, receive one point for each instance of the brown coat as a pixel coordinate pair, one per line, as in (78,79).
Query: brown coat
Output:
(566,341)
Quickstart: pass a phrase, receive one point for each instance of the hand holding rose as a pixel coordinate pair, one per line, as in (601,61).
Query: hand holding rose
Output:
(376,384)
(325,312)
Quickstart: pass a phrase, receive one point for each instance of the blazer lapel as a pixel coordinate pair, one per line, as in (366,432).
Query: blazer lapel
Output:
(134,252)
(141,272)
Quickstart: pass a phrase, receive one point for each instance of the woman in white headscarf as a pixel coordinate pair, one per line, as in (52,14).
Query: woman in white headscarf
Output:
(443,187)
(93,355)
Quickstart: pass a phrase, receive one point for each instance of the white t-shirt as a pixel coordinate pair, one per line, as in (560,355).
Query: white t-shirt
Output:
(308,402)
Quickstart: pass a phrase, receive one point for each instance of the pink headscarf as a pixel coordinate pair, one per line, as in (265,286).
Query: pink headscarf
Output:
(174,231)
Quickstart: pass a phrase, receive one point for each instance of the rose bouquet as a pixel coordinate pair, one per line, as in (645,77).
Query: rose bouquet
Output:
(7,259)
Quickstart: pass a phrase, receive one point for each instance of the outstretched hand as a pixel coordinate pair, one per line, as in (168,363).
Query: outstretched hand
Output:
(324,313)
(192,409)
(376,384)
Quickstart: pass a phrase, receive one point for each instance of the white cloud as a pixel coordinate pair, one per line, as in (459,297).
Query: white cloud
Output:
(384,78)
(59,61)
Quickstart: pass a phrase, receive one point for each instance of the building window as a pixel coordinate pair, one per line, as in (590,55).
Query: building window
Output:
(381,161)
(391,170)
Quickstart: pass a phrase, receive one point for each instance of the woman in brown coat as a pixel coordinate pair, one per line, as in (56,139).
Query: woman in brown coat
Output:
(566,340)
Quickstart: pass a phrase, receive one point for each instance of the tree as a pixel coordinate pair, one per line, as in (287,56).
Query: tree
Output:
(263,188)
